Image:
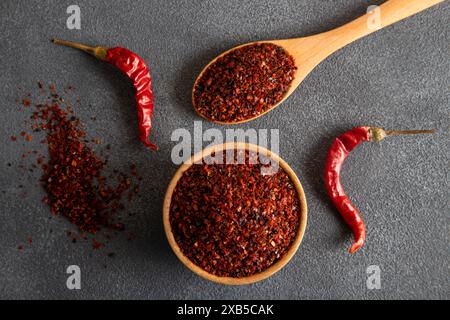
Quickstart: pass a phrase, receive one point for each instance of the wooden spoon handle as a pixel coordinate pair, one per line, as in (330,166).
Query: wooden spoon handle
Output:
(384,15)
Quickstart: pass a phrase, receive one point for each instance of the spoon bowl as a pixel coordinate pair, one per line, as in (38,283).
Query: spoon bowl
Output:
(309,51)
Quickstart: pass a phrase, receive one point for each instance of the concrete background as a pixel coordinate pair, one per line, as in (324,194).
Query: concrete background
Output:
(395,78)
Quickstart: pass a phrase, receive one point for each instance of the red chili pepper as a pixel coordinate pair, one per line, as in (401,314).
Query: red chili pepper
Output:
(337,154)
(136,69)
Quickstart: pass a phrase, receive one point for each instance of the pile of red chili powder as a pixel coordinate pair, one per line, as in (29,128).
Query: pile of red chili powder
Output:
(73,174)
(232,220)
(244,83)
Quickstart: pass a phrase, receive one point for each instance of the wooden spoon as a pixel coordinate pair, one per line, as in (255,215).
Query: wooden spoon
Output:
(309,51)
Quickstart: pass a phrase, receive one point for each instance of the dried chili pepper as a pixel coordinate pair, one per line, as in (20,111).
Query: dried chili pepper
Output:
(337,154)
(137,70)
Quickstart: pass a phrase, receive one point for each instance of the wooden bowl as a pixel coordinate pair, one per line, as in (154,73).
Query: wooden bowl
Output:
(230,280)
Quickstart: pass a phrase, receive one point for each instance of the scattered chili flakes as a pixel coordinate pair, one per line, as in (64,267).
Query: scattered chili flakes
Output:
(232,220)
(96,244)
(244,83)
(80,194)
(72,173)
(26,102)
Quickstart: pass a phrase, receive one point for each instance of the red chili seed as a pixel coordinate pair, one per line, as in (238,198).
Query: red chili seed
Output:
(244,83)
(231,220)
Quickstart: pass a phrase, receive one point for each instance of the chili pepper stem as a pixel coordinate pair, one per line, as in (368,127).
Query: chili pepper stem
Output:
(397,132)
(98,52)
(378,134)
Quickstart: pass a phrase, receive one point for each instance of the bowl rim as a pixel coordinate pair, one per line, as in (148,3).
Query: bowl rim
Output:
(273,268)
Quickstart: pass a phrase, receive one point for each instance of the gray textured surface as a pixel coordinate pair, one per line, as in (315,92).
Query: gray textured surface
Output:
(395,78)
